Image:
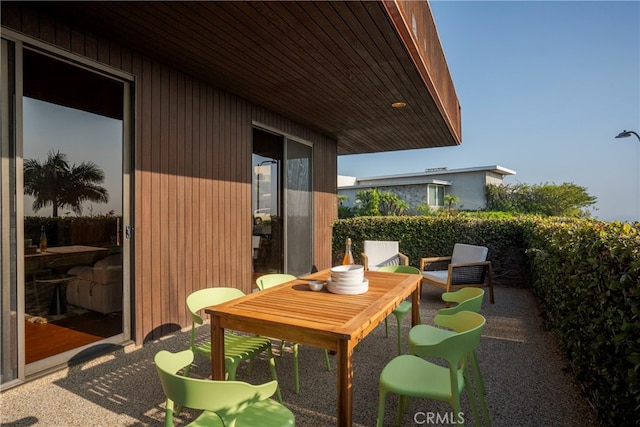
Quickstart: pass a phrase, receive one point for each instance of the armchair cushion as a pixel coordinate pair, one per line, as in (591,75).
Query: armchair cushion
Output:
(440,276)
(468,253)
(467,266)
(379,253)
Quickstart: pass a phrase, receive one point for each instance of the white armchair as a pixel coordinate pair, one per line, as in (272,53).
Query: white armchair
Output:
(467,266)
(97,288)
(379,253)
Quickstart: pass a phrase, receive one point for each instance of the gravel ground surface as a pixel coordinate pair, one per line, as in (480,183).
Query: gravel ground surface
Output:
(520,362)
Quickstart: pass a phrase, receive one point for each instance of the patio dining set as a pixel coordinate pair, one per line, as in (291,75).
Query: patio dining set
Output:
(287,309)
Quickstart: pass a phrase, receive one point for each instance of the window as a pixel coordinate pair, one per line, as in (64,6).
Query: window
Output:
(435,195)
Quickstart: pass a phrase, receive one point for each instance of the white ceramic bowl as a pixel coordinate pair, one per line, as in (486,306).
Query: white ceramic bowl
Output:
(347,281)
(348,269)
(353,273)
(316,285)
(337,288)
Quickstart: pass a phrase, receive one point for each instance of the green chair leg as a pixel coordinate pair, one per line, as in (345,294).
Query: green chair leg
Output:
(477,377)
(326,360)
(231,371)
(472,399)
(296,373)
(382,396)
(405,306)
(249,368)
(399,313)
(274,375)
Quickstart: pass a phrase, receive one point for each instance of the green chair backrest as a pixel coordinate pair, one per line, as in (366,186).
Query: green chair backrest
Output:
(198,300)
(407,269)
(274,279)
(226,398)
(468,327)
(467,299)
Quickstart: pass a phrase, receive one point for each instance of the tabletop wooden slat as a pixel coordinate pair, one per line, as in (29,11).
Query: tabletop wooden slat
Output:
(282,309)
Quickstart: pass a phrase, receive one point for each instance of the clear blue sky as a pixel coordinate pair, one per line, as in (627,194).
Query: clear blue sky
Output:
(544,87)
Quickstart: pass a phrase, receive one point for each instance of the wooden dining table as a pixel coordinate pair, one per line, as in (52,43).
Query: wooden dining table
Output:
(336,322)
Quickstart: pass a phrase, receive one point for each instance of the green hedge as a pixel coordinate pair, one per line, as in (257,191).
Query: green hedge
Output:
(64,231)
(426,236)
(587,277)
(585,273)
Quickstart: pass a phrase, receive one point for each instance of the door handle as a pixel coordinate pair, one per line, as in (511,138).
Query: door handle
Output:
(128,232)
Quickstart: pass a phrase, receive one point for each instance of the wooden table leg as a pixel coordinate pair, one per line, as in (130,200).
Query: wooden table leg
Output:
(345,383)
(217,350)
(415,306)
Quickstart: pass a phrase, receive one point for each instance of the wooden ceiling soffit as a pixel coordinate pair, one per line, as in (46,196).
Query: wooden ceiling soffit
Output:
(335,66)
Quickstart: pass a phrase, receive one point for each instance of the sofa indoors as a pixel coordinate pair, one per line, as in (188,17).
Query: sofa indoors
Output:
(97,288)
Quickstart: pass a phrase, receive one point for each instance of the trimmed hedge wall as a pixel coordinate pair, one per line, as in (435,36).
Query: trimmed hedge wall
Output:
(585,273)
(587,277)
(65,231)
(426,236)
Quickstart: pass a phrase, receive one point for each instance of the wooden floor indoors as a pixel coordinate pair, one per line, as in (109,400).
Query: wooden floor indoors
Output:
(44,340)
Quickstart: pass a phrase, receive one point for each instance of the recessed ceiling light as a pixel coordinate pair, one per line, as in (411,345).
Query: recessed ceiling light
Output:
(399,104)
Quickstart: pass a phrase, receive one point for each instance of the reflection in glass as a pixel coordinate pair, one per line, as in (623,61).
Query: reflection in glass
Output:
(73,174)
(299,208)
(266,202)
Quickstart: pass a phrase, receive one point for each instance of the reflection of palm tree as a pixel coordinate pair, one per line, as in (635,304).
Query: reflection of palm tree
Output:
(55,183)
(451,199)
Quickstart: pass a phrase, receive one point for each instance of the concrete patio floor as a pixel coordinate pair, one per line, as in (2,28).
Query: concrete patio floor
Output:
(521,365)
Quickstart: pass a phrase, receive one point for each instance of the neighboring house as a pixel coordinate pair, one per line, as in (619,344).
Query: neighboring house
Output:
(430,186)
(223,109)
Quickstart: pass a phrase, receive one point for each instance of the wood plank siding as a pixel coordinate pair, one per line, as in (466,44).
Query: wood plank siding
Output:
(192,180)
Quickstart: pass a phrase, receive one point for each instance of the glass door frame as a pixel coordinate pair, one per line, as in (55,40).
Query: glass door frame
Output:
(289,252)
(12,358)
(20,43)
(284,202)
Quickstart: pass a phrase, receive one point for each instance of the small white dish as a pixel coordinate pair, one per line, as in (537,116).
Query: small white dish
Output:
(315,285)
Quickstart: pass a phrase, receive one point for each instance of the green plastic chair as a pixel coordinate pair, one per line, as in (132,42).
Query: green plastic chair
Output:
(237,348)
(467,299)
(224,403)
(405,306)
(411,376)
(274,279)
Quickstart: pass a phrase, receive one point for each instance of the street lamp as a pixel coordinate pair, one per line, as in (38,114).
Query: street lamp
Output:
(627,133)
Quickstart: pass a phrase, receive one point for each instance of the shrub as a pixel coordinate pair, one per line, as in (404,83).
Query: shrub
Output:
(585,274)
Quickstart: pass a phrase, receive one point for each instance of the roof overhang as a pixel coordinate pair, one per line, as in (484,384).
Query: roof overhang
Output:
(334,66)
(429,176)
(390,182)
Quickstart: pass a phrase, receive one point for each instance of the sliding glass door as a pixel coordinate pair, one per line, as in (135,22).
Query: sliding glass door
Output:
(9,354)
(64,206)
(282,239)
(298,208)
